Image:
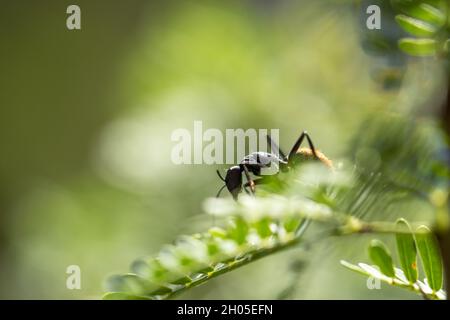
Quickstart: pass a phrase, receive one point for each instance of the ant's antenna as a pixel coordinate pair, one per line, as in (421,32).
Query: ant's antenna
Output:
(220,176)
(299,142)
(275,148)
(220,190)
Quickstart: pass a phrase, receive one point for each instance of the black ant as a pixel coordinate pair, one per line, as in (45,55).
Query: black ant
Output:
(256,161)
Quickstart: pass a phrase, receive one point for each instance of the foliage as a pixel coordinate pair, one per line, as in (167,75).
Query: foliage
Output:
(408,244)
(392,159)
(390,166)
(427,22)
(254,228)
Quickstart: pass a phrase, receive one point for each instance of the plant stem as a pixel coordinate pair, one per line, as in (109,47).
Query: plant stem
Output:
(352,226)
(233,264)
(348,226)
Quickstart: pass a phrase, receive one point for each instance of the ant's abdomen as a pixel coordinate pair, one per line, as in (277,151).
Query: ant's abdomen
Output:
(305,154)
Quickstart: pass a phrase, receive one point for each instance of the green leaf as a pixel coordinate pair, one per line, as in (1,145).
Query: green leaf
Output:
(129,283)
(430,256)
(375,273)
(428,13)
(263,228)
(447,45)
(122,296)
(353,267)
(290,225)
(239,232)
(407,252)
(380,255)
(418,47)
(416,27)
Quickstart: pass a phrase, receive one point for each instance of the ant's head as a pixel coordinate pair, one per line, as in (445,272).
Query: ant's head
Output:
(233,181)
(270,161)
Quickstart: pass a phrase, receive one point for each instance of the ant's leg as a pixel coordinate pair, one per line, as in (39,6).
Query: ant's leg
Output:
(250,181)
(245,187)
(257,182)
(299,142)
(274,146)
(220,191)
(311,145)
(296,145)
(220,176)
(264,180)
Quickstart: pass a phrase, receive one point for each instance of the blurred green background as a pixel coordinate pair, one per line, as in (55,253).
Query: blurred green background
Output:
(86,118)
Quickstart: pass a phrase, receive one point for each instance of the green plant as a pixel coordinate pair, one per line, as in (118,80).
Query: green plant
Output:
(427,22)
(393,159)
(391,167)
(254,229)
(407,277)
